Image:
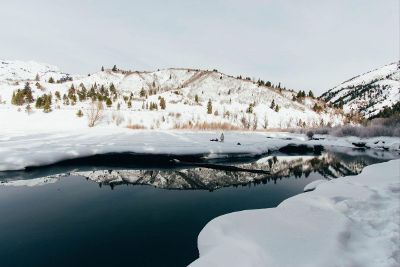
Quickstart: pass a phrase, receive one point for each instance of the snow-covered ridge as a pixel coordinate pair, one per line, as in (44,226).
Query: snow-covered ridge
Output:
(236,102)
(349,221)
(368,93)
(16,70)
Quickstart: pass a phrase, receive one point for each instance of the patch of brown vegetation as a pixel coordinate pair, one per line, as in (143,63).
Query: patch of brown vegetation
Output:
(135,126)
(207,126)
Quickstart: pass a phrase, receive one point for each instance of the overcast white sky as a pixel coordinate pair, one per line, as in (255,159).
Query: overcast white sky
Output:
(303,44)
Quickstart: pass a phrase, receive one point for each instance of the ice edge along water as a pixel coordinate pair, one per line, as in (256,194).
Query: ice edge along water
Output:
(20,150)
(349,221)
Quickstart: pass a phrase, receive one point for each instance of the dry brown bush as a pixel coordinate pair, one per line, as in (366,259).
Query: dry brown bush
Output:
(135,126)
(207,126)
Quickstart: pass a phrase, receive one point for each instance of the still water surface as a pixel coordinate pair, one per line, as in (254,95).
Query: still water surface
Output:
(76,222)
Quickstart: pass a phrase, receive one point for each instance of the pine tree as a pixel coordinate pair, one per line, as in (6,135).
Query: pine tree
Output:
(114,68)
(28,93)
(79,113)
(108,102)
(112,88)
(250,108)
(51,80)
(142,92)
(162,103)
(277,108)
(102,68)
(37,78)
(209,107)
(272,104)
(311,94)
(196,99)
(47,103)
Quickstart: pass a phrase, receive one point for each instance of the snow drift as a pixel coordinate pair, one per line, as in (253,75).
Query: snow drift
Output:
(349,221)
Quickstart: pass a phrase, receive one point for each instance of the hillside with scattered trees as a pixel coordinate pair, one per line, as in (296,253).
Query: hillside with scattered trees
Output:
(175,98)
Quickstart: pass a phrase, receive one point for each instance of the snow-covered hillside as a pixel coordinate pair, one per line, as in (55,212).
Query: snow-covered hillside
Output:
(16,70)
(368,93)
(194,99)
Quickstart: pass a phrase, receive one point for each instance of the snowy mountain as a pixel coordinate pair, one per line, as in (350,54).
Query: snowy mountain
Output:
(175,98)
(27,70)
(368,93)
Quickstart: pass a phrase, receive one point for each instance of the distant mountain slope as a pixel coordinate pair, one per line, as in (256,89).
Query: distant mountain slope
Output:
(368,93)
(15,70)
(134,98)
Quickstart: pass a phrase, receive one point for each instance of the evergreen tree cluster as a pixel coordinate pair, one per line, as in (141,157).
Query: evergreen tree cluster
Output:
(95,93)
(262,83)
(44,102)
(23,96)
(388,112)
(317,108)
(153,106)
(301,94)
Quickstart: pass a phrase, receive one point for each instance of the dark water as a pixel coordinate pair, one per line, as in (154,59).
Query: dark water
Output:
(75,222)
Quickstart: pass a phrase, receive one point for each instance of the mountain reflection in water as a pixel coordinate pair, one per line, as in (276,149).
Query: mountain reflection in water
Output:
(208,176)
(264,170)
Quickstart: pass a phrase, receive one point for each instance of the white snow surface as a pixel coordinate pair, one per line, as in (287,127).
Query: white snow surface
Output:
(30,182)
(311,186)
(349,221)
(22,148)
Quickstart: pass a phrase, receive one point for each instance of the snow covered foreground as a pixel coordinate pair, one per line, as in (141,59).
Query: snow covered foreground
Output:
(349,221)
(19,149)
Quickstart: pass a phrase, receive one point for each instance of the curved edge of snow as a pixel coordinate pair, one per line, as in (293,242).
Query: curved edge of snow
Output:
(19,150)
(311,186)
(349,221)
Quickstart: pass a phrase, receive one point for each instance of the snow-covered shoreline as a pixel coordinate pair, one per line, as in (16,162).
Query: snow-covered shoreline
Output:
(349,221)
(19,150)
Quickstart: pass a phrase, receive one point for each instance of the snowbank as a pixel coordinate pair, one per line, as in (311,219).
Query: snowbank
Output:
(20,149)
(311,186)
(349,221)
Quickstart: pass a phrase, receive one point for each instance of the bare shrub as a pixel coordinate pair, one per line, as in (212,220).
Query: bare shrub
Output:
(255,122)
(95,113)
(245,122)
(207,126)
(373,128)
